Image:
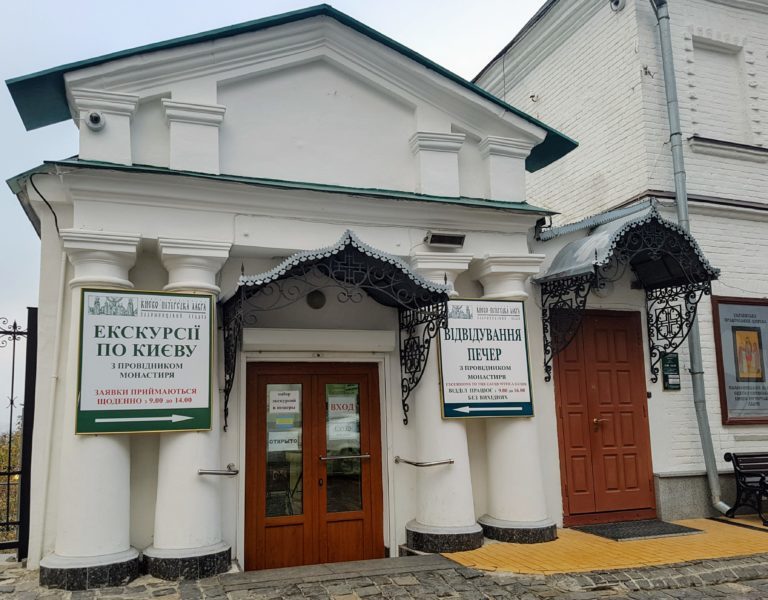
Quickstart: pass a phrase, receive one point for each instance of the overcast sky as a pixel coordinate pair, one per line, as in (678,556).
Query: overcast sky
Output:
(461,35)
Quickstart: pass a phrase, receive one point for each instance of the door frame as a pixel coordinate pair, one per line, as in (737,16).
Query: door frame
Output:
(304,345)
(608,516)
(328,370)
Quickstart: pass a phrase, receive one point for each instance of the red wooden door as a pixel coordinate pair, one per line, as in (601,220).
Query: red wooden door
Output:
(603,418)
(313,470)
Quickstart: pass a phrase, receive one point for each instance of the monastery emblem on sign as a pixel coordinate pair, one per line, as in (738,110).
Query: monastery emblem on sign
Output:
(119,306)
(460,311)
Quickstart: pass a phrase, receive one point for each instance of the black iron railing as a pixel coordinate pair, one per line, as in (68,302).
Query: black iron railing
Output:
(16,441)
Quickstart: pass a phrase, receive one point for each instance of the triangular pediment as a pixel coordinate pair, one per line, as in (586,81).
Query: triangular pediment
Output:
(195,68)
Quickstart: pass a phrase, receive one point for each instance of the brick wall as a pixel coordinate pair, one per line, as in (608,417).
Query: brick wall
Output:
(596,75)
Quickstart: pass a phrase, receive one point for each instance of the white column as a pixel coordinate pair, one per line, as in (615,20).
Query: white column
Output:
(188,507)
(516,506)
(94,492)
(445,517)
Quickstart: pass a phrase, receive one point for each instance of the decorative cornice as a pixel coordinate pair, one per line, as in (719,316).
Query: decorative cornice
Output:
(507,147)
(723,149)
(440,260)
(492,264)
(108,102)
(203,248)
(197,114)
(436,142)
(759,6)
(83,239)
(141,190)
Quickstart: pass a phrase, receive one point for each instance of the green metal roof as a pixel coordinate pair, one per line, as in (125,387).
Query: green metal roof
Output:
(16,185)
(41,98)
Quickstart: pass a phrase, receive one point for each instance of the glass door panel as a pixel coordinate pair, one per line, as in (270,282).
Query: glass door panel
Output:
(343,449)
(285,456)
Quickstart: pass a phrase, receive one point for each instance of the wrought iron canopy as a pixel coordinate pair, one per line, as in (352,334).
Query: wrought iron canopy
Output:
(350,269)
(666,261)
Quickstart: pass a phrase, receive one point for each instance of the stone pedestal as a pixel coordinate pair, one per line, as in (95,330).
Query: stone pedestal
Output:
(445,517)
(187,542)
(92,547)
(516,505)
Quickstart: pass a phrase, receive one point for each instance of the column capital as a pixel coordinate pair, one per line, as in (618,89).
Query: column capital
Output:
(108,102)
(193,113)
(441,267)
(193,264)
(436,141)
(504,275)
(99,257)
(507,147)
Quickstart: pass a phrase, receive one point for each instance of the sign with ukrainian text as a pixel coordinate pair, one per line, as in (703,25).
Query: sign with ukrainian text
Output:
(741,345)
(483,357)
(145,362)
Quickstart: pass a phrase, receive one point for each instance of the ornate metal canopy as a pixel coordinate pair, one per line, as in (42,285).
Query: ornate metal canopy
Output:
(665,260)
(350,269)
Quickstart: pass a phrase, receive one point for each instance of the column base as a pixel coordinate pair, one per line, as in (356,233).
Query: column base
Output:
(88,572)
(187,563)
(518,532)
(432,539)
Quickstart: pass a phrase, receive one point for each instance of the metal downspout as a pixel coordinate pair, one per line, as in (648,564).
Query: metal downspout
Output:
(661,9)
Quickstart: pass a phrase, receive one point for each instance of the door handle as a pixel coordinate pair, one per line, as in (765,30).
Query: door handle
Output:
(597,421)
(344,457)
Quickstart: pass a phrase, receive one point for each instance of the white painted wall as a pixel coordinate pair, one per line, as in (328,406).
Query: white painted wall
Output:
(311,101)
(338,128)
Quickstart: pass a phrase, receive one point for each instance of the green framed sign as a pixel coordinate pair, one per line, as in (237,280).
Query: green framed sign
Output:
(670,371)
(145,362)
(483,360)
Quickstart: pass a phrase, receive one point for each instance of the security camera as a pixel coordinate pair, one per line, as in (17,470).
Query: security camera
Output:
(617,5)
(95,121)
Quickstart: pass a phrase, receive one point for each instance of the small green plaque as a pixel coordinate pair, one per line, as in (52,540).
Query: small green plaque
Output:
(670,371)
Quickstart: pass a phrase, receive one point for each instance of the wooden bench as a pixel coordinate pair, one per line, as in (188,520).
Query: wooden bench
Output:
(751,470)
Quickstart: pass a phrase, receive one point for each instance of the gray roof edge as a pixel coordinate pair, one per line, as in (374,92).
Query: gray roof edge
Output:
(595,220)
(609,249)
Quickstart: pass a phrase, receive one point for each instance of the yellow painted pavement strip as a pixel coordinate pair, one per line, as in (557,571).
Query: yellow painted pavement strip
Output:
(575,551)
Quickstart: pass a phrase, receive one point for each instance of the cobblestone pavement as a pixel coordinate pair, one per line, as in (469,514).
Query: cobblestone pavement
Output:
(428,578)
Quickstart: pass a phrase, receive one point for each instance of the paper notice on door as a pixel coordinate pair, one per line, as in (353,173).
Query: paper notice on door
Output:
(342,406)
(284,441)
(284,401)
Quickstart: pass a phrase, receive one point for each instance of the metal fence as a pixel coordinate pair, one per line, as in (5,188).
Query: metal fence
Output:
(16,442)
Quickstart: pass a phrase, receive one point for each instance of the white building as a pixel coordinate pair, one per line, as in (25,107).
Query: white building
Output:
(594,69)
(235,152)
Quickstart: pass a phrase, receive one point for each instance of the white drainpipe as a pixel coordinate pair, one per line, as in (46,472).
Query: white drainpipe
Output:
(661,9)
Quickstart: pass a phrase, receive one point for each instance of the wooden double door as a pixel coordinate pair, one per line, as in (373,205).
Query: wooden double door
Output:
(603,430)
(313,464)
